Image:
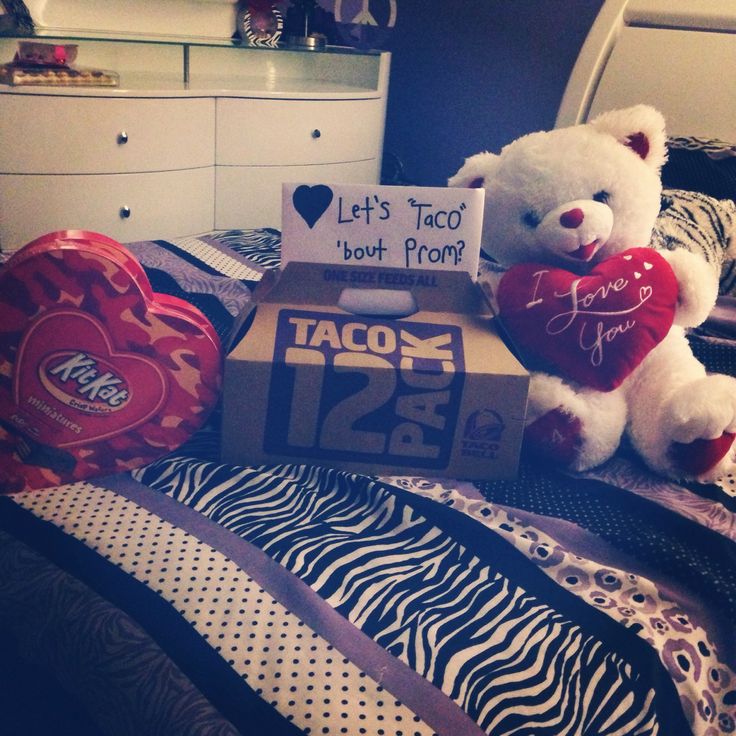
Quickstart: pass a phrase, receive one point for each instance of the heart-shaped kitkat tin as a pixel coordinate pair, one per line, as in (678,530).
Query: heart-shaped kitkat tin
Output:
(98,373)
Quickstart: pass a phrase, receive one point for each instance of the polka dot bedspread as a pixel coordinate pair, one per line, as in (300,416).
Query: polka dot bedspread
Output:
(195,597)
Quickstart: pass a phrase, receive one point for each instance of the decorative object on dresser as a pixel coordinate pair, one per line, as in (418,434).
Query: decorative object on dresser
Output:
(367,27)
(309,26)
(51,64)
(15,74)
(260,23)
(46,54)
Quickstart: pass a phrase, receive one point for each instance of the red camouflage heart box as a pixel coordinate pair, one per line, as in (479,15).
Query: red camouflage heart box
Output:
(98,373)
(594,329)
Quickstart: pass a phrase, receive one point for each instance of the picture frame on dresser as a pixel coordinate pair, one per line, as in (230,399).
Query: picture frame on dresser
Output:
(197,136)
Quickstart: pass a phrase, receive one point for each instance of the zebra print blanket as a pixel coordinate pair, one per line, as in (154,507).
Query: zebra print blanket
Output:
(703,225)
(193,597)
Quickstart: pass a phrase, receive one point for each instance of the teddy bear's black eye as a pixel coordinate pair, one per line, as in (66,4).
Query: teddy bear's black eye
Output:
(531,219)
(603,196)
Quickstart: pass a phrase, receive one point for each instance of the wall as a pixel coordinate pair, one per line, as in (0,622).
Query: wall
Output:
(472,75)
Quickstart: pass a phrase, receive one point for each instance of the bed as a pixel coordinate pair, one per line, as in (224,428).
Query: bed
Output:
(195,597)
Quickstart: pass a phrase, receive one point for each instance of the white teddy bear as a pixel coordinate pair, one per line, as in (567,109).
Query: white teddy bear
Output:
(614,353)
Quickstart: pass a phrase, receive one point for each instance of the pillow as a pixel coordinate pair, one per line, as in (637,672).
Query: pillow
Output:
(702,224)
(701,165)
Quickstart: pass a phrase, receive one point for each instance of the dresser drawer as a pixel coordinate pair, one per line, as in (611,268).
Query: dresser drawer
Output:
(47,134)
(296,132)
(159,205)
(251,196)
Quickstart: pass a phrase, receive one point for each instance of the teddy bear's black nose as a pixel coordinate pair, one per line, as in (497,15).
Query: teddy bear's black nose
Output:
(572,218)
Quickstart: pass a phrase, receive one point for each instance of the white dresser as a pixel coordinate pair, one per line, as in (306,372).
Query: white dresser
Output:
(196,137)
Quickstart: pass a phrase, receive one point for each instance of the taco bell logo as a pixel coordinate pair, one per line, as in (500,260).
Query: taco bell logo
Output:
(482,435)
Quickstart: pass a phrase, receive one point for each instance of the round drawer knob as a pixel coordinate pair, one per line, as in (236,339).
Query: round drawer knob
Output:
(125,212)
(122,137)
(316,133)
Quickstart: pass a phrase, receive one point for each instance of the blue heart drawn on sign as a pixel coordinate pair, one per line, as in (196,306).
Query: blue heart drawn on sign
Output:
(311,202)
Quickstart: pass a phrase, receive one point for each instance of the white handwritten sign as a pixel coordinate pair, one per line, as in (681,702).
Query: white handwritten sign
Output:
(372,225)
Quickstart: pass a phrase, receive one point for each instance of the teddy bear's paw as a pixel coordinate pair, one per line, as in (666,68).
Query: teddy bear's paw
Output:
(701,409)
(705,460)
(576,428)
(701,422)
(556,437)
(698,286)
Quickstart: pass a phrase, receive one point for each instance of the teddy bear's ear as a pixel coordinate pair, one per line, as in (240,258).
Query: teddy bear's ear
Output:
(640,128)
(475,171)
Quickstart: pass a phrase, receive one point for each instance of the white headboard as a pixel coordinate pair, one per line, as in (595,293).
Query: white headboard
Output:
(677,55)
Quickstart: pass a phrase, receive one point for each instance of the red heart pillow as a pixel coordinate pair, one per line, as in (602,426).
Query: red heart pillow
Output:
(98,373)
(593,329)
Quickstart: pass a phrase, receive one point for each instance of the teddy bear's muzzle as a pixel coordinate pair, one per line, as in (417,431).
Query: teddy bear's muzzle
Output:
(576,230)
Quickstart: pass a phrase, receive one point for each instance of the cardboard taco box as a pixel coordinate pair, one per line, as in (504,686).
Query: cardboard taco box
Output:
(434,393)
